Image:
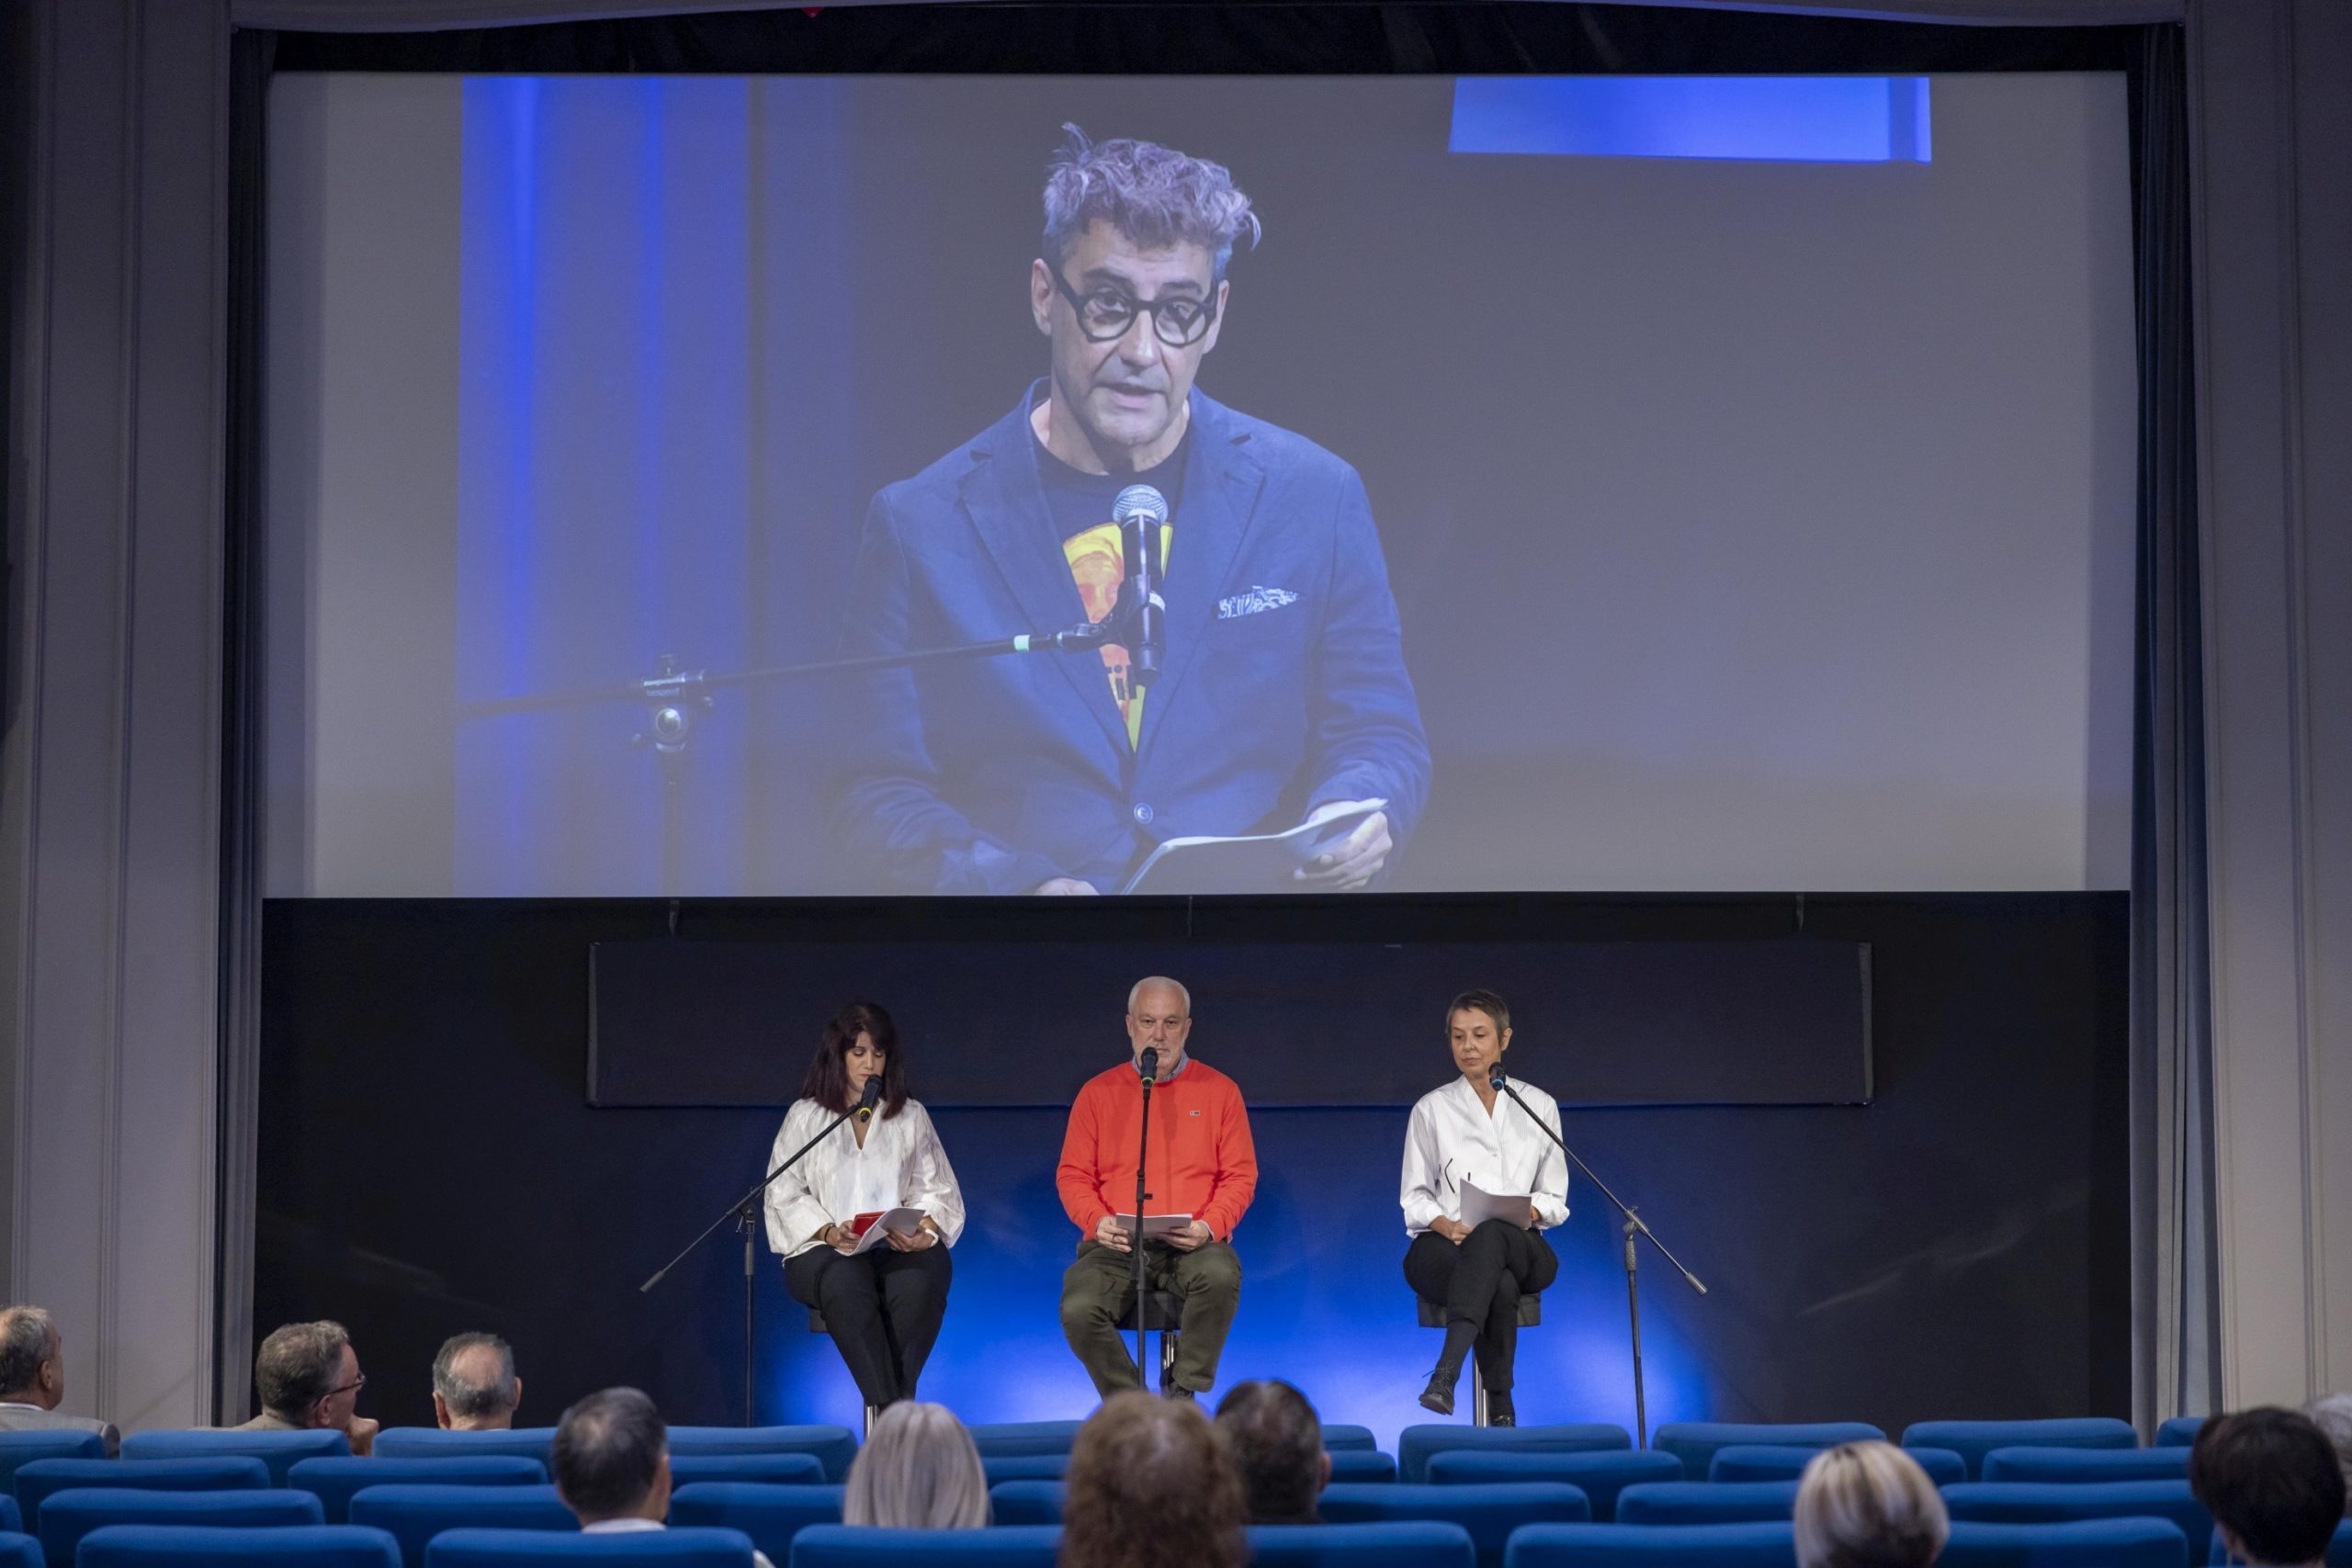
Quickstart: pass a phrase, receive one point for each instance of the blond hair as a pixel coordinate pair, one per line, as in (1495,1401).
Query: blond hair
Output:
(918,1470)
(1868,1505)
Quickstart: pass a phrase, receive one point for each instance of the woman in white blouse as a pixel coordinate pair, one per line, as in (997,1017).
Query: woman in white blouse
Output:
(884,1302)
(1471,1134)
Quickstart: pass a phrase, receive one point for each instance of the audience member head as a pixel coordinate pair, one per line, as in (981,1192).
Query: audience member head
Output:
(1151,1486)
(612,1457)
(918,1470)
(32,1357)
(1277,1444)
(860,1042)
(1868,1505)
(2332,1414)
(308,1375)
(2271,1481)
(474,1385)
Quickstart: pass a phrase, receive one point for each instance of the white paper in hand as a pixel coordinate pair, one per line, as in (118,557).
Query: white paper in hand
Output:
(1154,1224)
(907,1220)
(1479,1207)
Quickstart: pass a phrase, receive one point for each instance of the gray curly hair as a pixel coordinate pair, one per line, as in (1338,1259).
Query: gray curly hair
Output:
(1154,195)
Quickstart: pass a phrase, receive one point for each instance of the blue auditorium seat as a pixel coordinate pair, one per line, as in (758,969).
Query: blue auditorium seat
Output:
(769,1469)
(12,1518)
(335,1481)
(1359,1465)
(1695,1442)
(23,1447)
(67,1517)
(1973,1439)
(1654,1546)
(1419,1543)
(1415,1444)
(770,1514)
(432,1442)
(2035,1503)
(834,1446)
(1707,1502)
(2092,1544)
(44,1476)
(279,1451)
(1757,1461)
(1342,1438)
(1601,1477)
(283,1546)
(853,1546)
(2180,1432)
(19,1551)
(1489,1512)
(1009,1439)
(1025,1503)
(2085,1464)
(1024,1467)
(2339,1547)
(414,1514)
(539,1549)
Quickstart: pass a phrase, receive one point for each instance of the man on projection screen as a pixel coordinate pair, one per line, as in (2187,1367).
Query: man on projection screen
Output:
(1282,695)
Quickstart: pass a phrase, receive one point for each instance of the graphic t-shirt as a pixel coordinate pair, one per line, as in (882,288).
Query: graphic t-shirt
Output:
(1095,548)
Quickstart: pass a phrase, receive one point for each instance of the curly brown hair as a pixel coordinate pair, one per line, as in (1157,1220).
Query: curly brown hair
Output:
(1152,1485)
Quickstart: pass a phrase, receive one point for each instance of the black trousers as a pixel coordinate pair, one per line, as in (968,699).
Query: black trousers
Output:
(1479,1282)
(883,1308)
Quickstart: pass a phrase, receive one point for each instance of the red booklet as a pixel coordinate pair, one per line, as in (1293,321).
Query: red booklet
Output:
(861,1223)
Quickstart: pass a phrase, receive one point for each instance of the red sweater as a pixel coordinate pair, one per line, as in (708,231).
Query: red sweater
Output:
(1202,1161)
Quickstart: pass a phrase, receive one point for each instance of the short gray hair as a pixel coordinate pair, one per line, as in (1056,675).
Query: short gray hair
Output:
(1154,195)
(1868,1505)
(1138,989)
(27,1337)
(471,1400)
(919,1469)
(2332,1414)
(298,1365)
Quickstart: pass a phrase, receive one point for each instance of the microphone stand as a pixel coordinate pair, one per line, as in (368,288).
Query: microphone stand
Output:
(1143,1151)
(745,1212)
(1635,1226)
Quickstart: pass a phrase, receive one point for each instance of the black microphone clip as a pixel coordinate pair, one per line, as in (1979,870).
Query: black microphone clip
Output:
(1150,1066)
(870,1098)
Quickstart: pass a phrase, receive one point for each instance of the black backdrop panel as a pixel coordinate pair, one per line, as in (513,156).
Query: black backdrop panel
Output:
(1775,1022)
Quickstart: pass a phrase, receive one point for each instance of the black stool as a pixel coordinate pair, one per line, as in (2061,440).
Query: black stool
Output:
(1531,1313)
(1163,1315)
(817,1326)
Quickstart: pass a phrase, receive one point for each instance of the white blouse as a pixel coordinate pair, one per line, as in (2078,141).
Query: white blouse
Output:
(901,1163)
(1452,1139)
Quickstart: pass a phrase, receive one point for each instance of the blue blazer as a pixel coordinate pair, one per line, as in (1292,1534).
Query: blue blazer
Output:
(1283,685)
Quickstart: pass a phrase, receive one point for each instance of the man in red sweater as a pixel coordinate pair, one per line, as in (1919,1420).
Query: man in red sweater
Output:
(1201,1163)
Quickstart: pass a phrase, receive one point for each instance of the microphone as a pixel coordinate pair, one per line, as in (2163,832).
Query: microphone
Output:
(870,1098)
(1150,1066)
(1139,512)
(1495,1078)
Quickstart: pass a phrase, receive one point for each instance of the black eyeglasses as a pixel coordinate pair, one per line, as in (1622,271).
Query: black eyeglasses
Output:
(354,1386)
(1106,314)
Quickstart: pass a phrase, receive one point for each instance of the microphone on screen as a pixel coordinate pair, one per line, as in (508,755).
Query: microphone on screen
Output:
(1139,512)
(1495,1078)
(870,1098)
(1150,1066)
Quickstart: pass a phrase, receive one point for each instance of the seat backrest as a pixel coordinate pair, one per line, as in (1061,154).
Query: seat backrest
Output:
(1765,1462)
(290,1546)
(42,1477)
(1603,1476)
(19,1550)
(1695,1442)
(1008,1439)
(1488,1511)
(770,1470)
(416,1514)
(1706,1502)
(1416,1543)
(432,1442)
(1358,1466)
(1770,1545)
(23,1447)
(2339,1548)
(771,1515)
(851,1546)
(1340,1436)
(278,1451)
(2034,1502)
(834,1446)
(66,1516)
(2085,1464)
(335,1481)
(2090,1543)
(1027,1502)
(541,1548)
(1024,1467)
(2180,1432)
(1973,1439)
(1416,1444)
(12,1518)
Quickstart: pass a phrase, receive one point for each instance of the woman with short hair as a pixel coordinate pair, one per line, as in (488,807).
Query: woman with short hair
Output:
(917,1470)
(1868,1505)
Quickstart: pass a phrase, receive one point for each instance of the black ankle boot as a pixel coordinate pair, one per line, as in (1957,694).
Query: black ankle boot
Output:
(1499,1408)
(1439,1396)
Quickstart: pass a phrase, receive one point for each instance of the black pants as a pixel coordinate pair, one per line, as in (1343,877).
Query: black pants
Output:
(1479,1283)
(883,1308)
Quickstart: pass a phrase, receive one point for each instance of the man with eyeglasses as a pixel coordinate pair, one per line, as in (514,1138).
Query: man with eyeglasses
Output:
(308,1376)
(1282,696)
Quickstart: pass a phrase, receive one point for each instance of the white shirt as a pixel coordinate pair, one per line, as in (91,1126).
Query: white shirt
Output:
(901,1164)
(1451,1139)
(628,1526)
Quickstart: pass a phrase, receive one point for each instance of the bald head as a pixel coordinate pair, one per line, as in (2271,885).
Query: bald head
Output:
(474,1385)
(1160,1017)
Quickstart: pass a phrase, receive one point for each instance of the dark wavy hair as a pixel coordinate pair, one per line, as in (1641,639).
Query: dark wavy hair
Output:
(1152,1484)
(828,1080)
